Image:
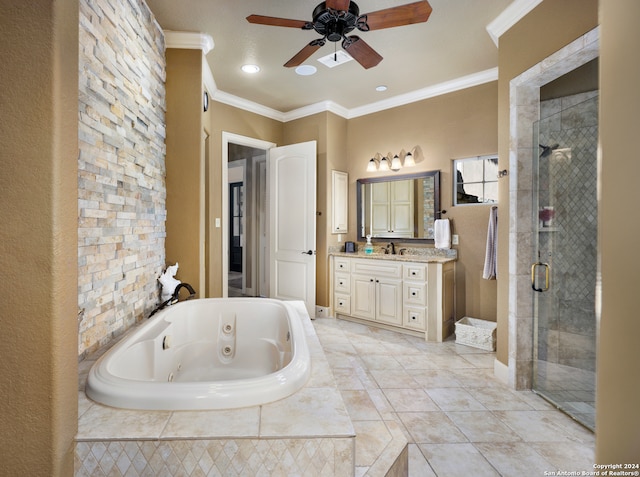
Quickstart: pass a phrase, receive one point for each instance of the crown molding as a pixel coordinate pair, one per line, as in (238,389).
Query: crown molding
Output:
(188,40)
(321,107)
(457,84)
(250,106)
(509,17)
(207,77)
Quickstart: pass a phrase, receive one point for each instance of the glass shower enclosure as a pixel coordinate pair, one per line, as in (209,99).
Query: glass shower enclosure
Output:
(563,273)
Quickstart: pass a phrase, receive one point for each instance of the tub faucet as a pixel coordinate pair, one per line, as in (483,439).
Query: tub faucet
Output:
(393,248)
(176,294)
(175,297)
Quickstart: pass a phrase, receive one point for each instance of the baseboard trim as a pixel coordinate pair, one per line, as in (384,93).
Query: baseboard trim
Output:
(321,312)
(501,371)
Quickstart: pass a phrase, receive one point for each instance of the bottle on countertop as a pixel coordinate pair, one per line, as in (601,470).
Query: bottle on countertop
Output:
(368,248)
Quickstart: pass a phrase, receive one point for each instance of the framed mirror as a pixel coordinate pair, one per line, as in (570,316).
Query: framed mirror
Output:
(402,207)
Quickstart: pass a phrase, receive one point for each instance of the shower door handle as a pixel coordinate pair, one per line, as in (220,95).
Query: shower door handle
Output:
(546,276)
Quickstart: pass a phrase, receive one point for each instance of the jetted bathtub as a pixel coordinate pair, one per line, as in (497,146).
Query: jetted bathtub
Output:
(214,353)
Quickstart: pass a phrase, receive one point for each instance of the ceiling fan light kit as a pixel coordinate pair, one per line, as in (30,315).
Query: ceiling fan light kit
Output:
(335,19)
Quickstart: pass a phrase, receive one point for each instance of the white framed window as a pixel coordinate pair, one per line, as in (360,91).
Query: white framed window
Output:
(475,180)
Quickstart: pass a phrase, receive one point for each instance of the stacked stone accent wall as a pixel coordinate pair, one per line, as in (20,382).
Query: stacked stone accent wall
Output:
(121,167)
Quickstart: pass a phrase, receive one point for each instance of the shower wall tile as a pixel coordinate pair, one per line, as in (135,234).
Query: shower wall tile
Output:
(121,169)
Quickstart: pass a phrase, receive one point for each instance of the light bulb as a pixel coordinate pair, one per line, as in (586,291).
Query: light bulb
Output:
(396,165)
(408,160)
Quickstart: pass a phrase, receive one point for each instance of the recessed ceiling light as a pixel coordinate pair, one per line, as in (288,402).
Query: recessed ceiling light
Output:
(306,70)
(251,69)
(381,88)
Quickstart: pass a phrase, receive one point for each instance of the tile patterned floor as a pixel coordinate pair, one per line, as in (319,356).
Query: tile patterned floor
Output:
(458,418)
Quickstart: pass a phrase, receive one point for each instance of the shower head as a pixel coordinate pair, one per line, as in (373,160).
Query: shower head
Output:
(546,150)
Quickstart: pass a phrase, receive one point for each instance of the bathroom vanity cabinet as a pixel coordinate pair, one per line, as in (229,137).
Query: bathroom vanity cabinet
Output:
(396,292)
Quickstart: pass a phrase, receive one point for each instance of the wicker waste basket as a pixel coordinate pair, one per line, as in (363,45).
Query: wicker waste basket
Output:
(477,333)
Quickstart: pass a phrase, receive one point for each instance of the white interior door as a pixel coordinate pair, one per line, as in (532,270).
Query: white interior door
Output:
(292,223)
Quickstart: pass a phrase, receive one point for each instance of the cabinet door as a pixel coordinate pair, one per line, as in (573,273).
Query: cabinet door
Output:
(402,208)
(339,202)
(363,294)
(380,209)
(389,301)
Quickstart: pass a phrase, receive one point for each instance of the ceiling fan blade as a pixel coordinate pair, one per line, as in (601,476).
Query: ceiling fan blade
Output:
(303,54)
(362,52)
(275,21)
(340,5)
(417,12)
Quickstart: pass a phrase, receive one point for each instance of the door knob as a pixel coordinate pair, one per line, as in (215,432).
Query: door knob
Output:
(308,252)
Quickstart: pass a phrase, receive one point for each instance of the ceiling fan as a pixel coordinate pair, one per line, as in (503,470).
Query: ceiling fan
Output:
(334,19)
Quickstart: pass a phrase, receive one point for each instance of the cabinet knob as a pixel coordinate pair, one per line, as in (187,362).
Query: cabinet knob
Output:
(413,293)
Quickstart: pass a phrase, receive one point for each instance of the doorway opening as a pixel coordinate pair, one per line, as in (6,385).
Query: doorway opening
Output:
(246,221)
(523,231)
(565,254)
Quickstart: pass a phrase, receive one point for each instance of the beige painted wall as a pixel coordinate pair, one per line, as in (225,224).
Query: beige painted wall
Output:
(452,126)
(183,163)
(38,237)
(618,381)
(522,47)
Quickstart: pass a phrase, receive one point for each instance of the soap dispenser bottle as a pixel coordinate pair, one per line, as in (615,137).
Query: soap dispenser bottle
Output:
(368,248)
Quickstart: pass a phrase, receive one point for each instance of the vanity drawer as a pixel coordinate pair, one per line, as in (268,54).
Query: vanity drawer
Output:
(342,264)
(415,271)
(342,304)
(414,317)
(414,293)
(342,283)
(376,268)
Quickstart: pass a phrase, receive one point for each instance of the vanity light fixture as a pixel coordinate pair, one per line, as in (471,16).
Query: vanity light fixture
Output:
(389,162)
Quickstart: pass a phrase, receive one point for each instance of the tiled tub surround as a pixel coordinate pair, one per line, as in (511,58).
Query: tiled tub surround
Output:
(309,433)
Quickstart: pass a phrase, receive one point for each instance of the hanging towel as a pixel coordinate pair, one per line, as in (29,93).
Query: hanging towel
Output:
(490,257)
(442,233)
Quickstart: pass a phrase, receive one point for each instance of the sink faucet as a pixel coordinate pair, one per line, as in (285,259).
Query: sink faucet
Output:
(393,248)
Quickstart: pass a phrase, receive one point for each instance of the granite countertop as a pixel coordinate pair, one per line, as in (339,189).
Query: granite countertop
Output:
(429,256)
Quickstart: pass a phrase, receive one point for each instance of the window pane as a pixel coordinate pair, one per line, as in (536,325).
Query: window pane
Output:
(470,170)
(475,180)
(491,169)
(471,195)
(491,192)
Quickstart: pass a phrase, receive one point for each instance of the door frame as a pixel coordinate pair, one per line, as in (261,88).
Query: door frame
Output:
(525,109)
(231,138)
(242,163)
